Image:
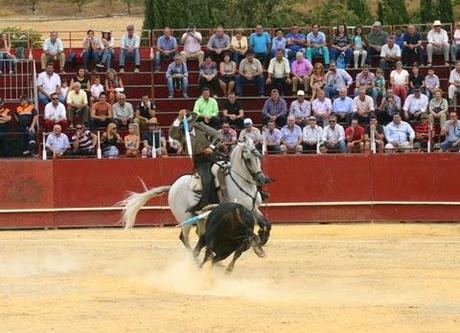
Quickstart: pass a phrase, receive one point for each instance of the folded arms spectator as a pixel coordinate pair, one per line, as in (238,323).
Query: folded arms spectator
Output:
(275,108)
(208,75)
(232,112)
(399,134)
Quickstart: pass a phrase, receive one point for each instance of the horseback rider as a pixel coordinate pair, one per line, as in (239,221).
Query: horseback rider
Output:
(204,140)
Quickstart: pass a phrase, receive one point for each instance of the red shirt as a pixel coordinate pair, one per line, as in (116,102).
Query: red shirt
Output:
(424,129)
(357,135)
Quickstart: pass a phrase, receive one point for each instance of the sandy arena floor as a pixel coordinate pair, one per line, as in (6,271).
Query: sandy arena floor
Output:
(315,278)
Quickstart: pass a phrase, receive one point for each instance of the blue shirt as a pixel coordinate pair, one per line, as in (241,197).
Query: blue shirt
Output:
(289,137)
(453,133)
(320,38)
(399,133)
(342,105)
(295,47)
(259,43)
(167,44)
(278,43)
(174,68)
(272,108)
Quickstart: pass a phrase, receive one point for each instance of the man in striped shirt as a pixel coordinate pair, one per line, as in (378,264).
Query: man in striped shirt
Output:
(83,141)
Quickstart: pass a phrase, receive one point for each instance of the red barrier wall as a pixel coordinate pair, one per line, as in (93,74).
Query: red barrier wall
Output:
(356,179)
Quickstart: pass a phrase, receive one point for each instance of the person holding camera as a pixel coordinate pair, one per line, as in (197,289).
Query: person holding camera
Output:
(192,45)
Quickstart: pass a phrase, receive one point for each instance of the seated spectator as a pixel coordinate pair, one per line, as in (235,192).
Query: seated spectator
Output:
(5,53)
(153,133)
(122,112)
(48,82)
(275,108)
(399,134)
(391,104)
(77,105)
(227,70)
(438,108)
(57,143)
(311,135)
(83,141)
(129,48)
(63,91)
(376,130)
(177,77)
(317,44)
(454,84)
(317,79)
(455,47)
(341,44)
(342,107)
(399,80)
(53,50)
(55,113)
(365,79)
(390,54)
(333,135)
(438,42)
(96,89)
(272,138)
(424,132)
(355,137)
(336,78)
(279,42)
(250,71)
(5,121)
(399,38)
(229,136)
(207,109)
(166,48)
(92,49)
(208,76)
(375,40)
(295,42)
(218,44)
(110,141)
(239,46)
(321,107)
(132,140)
(300,109)
(416,80)
(451,131)
(412,46)
(300,70)
(359,45)
(83,78)
(101,112)
(113,85)
(27,118)
(415,105)
(278,73)
(379,89)
(363,106)
(252,133)
(260,41)
(431,82)
(145,112)
(192,45)
(291,137)
(232,112)
(107,50)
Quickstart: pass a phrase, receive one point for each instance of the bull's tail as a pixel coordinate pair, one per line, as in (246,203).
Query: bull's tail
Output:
(134,202)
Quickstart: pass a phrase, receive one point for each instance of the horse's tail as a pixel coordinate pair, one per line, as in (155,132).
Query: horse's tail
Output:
(134,202)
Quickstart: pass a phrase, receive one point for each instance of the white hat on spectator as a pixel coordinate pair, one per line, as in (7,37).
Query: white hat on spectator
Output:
(436,23)
(377,24)
(312,118)
(247,121)
(300,93)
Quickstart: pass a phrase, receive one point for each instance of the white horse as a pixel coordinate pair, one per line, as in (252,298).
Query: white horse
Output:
(241,181)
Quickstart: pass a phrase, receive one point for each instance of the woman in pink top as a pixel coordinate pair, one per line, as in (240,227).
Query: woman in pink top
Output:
(455,48)
(300,70)
(399,80)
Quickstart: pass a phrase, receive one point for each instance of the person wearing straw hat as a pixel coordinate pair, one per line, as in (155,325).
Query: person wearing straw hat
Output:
(438,42)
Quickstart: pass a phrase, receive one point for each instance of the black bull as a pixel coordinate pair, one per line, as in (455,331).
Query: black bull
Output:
(229,228)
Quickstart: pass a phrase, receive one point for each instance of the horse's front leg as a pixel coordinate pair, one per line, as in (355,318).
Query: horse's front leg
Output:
(265,227)
(184,236)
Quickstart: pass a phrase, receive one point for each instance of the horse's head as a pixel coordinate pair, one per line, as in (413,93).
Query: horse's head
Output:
(251,158)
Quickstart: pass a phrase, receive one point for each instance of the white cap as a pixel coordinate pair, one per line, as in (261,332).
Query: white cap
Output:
(247,121)
(300,93)
(436,23)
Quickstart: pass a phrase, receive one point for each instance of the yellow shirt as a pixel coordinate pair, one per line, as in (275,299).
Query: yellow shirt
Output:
(80,98)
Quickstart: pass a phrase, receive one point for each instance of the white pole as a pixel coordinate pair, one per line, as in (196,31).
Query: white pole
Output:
(318,141)
(188,140)
(373,145)
(264,142)
(154,146)
(99,151)
(44,148)
(430,128)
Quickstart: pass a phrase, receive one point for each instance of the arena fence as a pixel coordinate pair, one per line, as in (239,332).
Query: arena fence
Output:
(20,81)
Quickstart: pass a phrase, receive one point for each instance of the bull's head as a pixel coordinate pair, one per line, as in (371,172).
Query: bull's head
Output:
(256,245)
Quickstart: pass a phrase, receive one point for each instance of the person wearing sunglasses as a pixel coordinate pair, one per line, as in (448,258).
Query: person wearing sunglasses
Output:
(55,113)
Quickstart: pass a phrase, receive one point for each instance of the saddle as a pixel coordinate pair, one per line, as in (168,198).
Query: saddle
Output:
(218,171)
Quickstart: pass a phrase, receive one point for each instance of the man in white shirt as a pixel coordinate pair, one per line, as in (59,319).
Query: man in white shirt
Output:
(399,134)
(55,113)
(192,45)
(48,82)
(252,132)
(415,105)
(363,106)
(57,143)
(53,50)
(300,109)
(454,83)
(390,54)
(438,42)
(129,48)
(321,107)
(334,136)
(278,73)
(311,135)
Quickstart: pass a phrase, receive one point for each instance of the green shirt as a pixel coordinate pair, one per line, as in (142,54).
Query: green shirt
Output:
(207,108)
(377,38)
